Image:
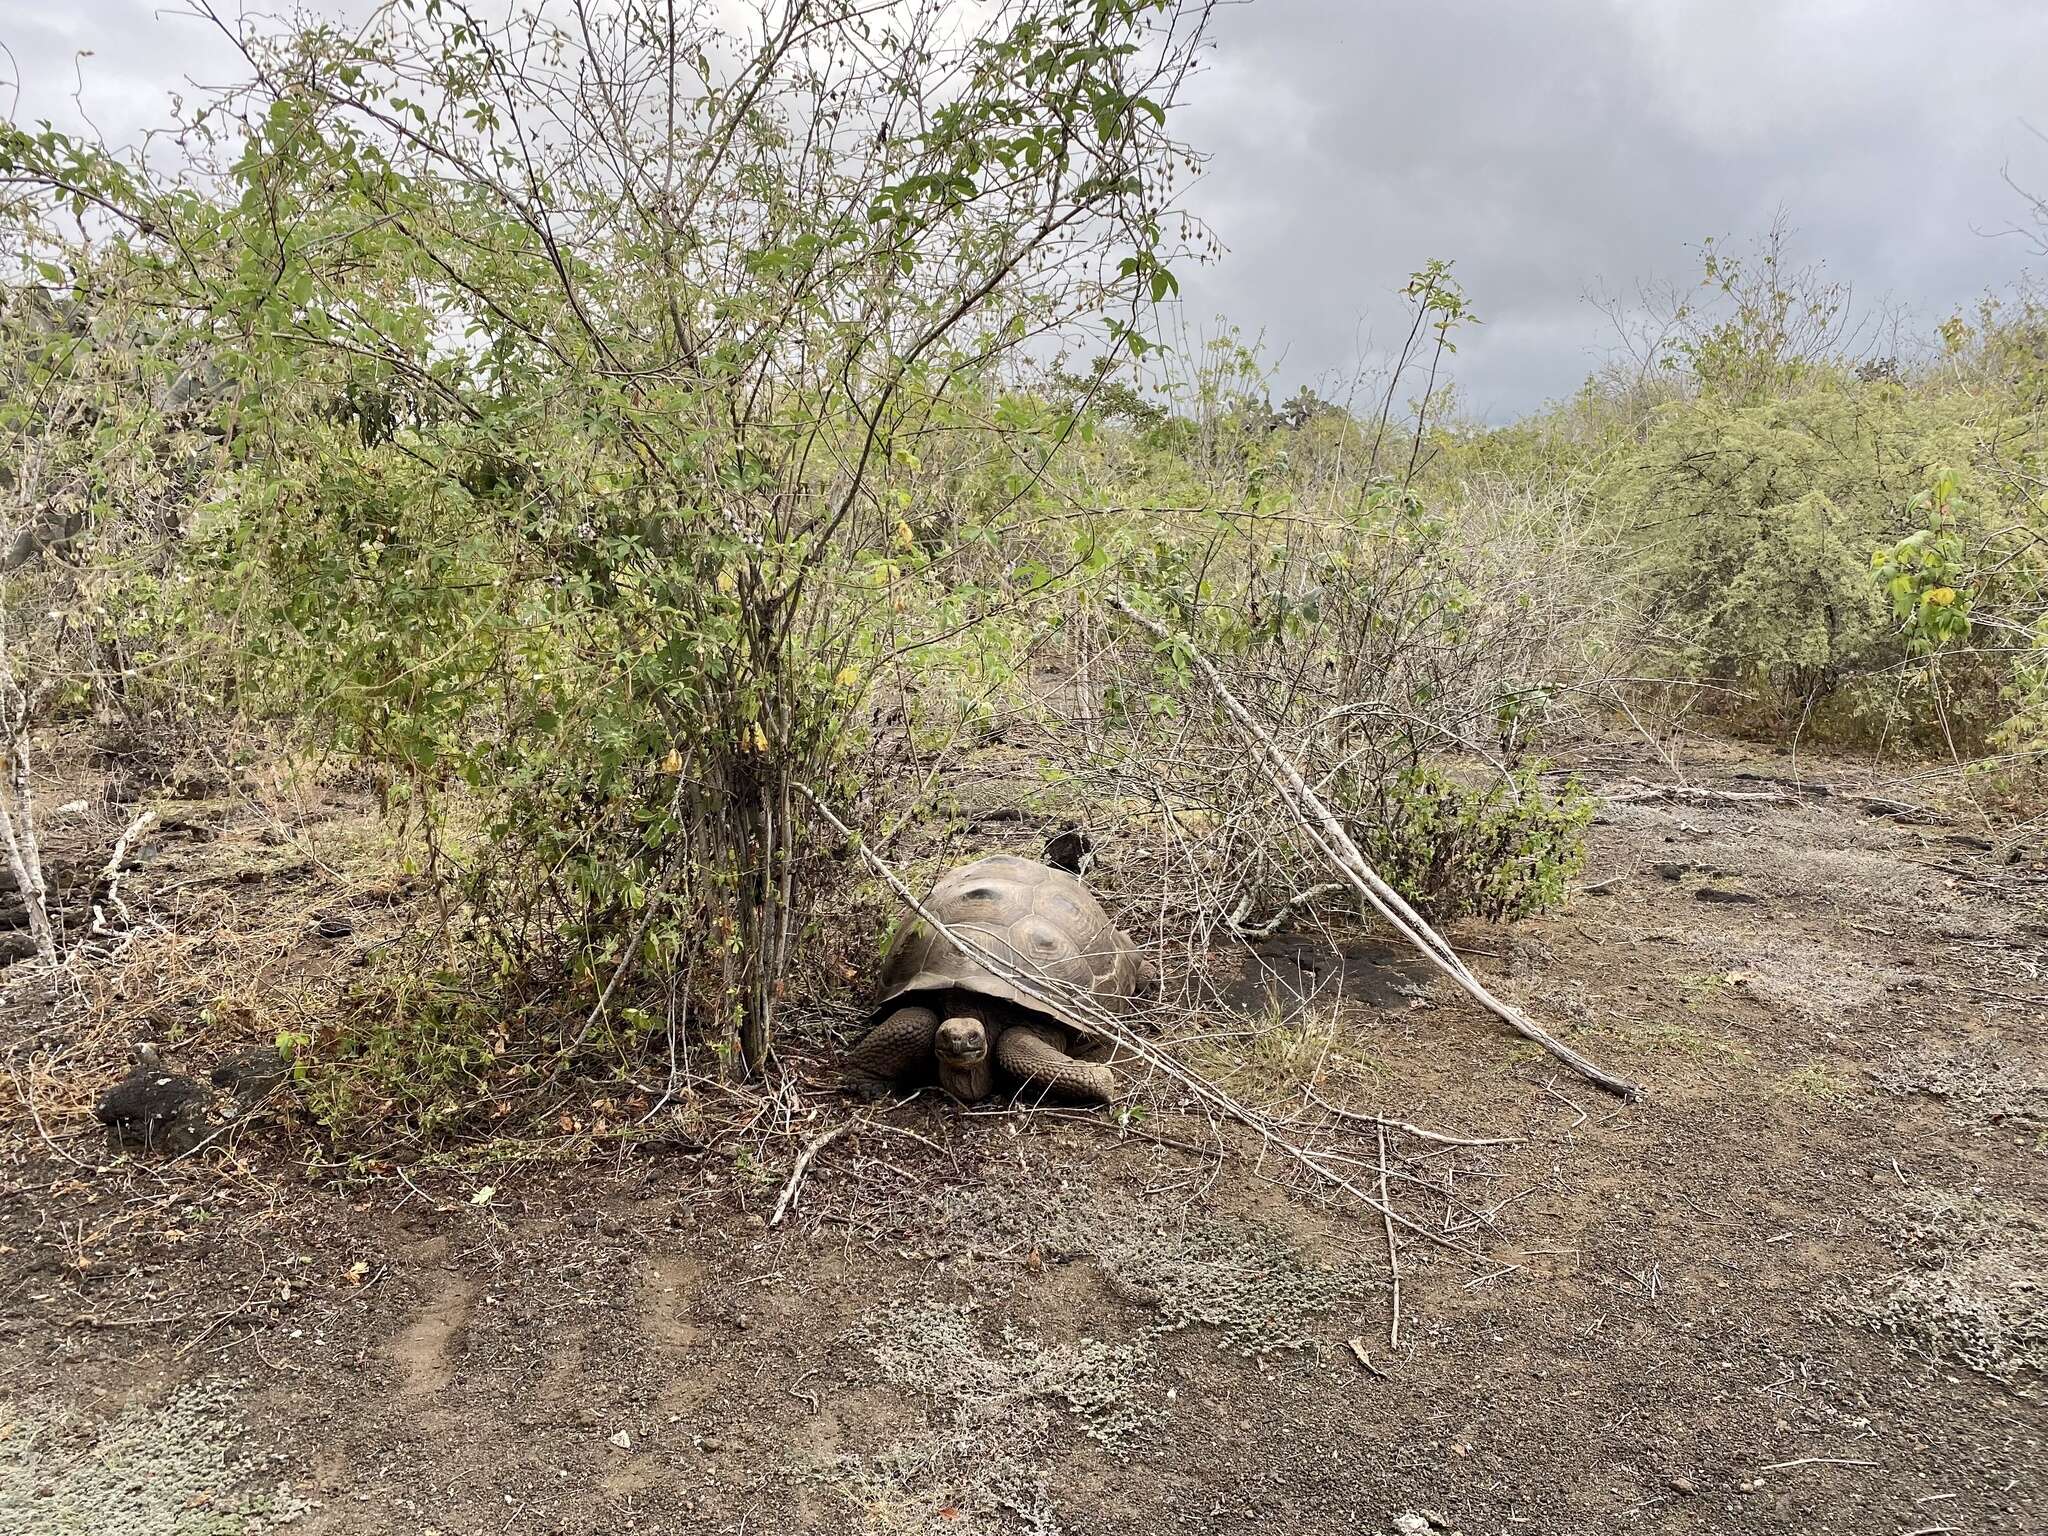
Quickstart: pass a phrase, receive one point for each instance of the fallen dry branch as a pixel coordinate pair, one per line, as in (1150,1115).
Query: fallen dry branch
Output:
(1079,1003)
(110,877)
(1875,805)
(1693,794)
(1335,844)
(1393,1248)
(803,1163)
(1287,909)
(1409,1129)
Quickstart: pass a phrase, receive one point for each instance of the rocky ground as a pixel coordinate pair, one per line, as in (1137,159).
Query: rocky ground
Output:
(1802,1286)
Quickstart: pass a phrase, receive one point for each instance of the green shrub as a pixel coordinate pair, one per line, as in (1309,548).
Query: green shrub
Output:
(1497,851)
(415,1057)
(571,488)
(1754,524)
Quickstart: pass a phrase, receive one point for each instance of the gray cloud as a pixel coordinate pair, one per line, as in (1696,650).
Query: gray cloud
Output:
(1548,147)
(112,64)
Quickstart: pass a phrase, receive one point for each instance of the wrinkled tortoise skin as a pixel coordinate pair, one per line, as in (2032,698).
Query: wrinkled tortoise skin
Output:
(1039,919)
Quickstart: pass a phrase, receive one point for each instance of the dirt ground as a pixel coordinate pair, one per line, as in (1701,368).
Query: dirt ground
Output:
(1802,1286)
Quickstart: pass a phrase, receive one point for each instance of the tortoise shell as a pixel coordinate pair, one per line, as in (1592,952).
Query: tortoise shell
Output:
(1041,920)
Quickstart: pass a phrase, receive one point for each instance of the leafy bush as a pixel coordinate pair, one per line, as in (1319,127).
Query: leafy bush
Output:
(1755,524)
(410,1059)
(568,466)
(1497,851)
(1851,546)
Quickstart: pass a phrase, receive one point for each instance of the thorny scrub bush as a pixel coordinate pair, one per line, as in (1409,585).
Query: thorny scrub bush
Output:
(1394,651)
(1860,563)
(577,371)
(1969,584)
(105,450)
(1754,525)
(110,449)
(1838,545)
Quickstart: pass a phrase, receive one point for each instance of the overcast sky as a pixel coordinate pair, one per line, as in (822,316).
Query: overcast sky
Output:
(1552,146)
(1548,147)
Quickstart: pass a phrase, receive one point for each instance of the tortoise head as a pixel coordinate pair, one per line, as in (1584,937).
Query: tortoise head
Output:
(964,1052)
(961,1042)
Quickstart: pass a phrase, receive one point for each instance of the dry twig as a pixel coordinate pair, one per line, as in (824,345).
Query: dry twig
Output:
(803,1163)
(1393,1248)
(1817,1461)
(1693,794)
(110,877)
(1409,1129)
(1285,910)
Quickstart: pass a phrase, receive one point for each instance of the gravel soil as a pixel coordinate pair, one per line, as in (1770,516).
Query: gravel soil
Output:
(1801,1286)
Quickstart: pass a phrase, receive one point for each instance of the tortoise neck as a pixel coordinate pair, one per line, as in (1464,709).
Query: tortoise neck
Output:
(969,1084)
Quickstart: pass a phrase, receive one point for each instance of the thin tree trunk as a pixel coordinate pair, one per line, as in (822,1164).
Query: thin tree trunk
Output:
(24,860)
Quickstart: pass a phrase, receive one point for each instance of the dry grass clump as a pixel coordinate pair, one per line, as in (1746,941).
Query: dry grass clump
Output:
(172,1466)
(1975,1291)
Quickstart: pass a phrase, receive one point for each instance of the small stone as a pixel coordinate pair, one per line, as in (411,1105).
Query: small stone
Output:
(1682,1485)
(710,1445)
(1724,897)
(621,1440)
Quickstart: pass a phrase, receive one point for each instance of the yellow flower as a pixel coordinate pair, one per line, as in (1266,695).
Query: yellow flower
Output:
(673,763)
(1942,597)
(905,539)
(848,677)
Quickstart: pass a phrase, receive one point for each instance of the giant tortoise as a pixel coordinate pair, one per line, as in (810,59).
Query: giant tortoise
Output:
(938,1006)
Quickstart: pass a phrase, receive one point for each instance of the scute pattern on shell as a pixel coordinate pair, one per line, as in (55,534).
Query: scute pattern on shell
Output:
(1039,919)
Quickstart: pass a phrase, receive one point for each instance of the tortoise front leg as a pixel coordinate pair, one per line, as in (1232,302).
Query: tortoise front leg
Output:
(1036,1055)
(890,1052)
